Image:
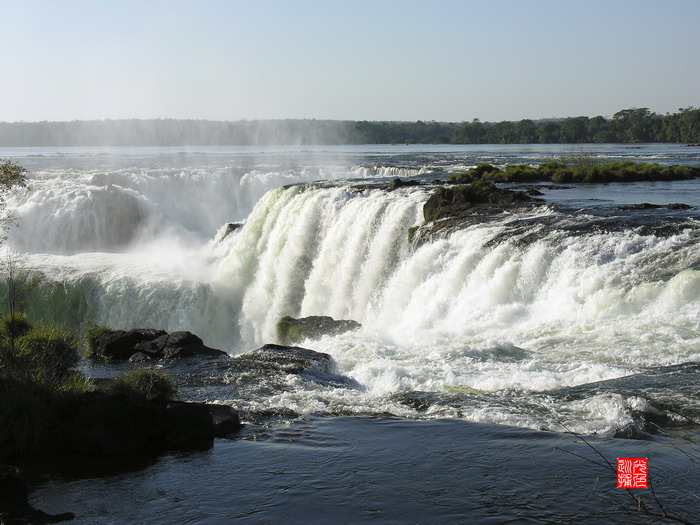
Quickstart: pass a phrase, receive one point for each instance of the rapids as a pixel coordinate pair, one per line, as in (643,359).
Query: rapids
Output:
(570,292)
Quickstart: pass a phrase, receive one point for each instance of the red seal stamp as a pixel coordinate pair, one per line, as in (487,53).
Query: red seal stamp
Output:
(632,473)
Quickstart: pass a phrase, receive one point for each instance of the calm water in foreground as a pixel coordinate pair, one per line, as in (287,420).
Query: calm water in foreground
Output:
(384,470)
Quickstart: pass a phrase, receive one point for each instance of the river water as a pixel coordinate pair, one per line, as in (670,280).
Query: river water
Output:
(573,315)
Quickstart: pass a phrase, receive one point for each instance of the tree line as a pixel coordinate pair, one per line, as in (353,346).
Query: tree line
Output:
(633,125)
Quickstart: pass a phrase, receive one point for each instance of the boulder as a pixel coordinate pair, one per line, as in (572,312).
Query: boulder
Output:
(649,206)
(98,423)
(284,359)
(120,345)
(102,424)
(145,344)
(226,420)
(176,345)
(399,183)
(478,197)
(291,330)
(227,230)
(185,423)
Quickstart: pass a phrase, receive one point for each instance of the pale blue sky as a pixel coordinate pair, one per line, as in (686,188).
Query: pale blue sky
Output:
(445,60)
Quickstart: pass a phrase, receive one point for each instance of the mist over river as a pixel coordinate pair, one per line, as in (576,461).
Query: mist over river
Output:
(576,314)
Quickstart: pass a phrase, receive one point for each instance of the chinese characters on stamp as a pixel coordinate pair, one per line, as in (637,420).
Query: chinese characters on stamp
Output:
(632,473)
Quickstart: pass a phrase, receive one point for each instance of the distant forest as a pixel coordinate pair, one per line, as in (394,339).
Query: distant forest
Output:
(626,126)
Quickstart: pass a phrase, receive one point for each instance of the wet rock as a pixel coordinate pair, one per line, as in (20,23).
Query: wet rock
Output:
(146,344)
(399,183)
(265,371)
(452,208)
(226,420)
(14,505)
(284,359)
(120,345)
(479,197)
(101,424)
(291,330)
(185,423)
(649,206)
(228,229)
(176,345)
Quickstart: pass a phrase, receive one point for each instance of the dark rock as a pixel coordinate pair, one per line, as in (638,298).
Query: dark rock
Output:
(229,228)
(286,359)
(141,357)
(120,345)
(649,206)
(176,345)
(398,183)
(641,206)
(101,424)
(478,197)
(225,418)
(527,187)
(187,423)
(105,425)
(145,344)
(291,330)
(14,503)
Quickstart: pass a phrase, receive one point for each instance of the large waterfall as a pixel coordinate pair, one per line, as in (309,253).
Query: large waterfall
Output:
(542,299)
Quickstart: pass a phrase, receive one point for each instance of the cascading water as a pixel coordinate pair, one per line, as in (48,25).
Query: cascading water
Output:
(316,251)
(530,301)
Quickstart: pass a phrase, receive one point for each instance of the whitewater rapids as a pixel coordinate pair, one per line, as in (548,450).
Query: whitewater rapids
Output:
(528,302)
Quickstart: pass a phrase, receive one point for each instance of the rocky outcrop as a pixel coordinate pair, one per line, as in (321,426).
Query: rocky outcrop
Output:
(120,345)
(14,504)
(174,345)
(101,424)
(400,183)
(479,197)
(145,344)
(453,207)
(291,330)
(649,206)
(227,230)
(266,370)
(282,359)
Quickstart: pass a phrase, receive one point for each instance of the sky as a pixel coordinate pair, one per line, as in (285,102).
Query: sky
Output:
(406,60)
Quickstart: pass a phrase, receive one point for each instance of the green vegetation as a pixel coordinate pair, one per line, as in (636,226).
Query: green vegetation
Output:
(91,333)
(632,125)
(289,331)
(581,171)
(36,376)
(11,175)
(412,233)
(144,385)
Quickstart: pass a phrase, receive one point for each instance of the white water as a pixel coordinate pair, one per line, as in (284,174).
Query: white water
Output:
(456,312)
(459,313)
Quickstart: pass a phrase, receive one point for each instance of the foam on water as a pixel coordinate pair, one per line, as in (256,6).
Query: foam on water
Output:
(462,311)
(512,306)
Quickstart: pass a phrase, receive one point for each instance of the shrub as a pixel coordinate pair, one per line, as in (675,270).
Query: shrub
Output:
(144,384)
(481,171)
(36,374)
(15,326)
(27,416)
(91,334)
(48,356)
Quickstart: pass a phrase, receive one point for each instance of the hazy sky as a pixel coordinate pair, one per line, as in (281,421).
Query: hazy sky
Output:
(445,60)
